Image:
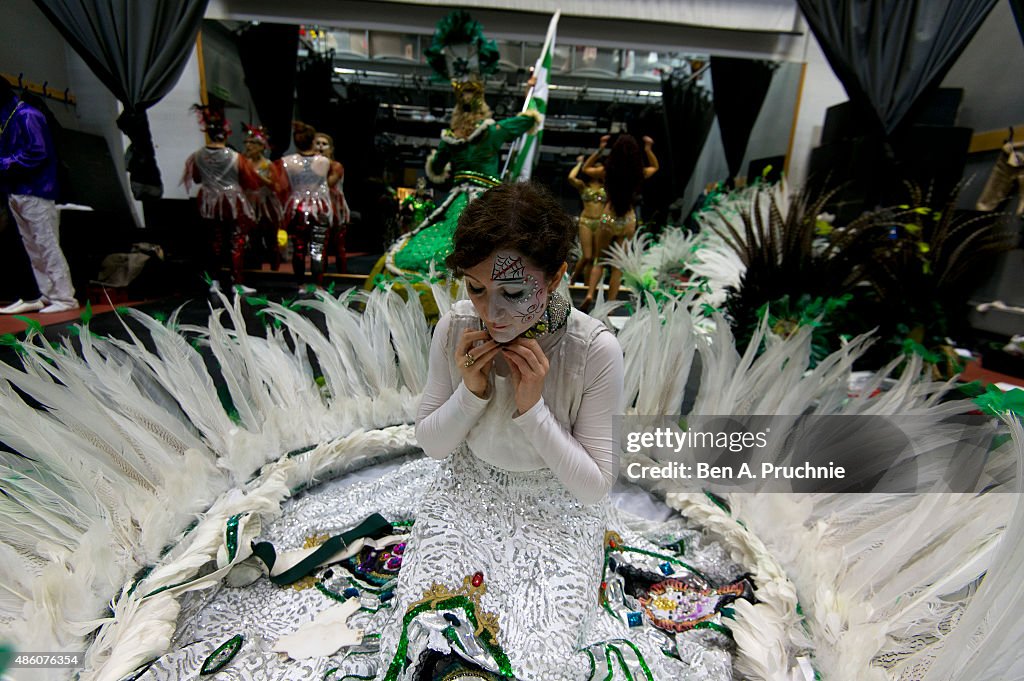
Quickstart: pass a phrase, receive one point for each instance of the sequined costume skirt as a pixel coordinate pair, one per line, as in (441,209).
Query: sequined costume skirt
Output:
(431,242)
(308,208)
(516,549)
(536,549)
(225,204)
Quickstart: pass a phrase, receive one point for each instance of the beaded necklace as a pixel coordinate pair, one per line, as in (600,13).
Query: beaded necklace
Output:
(555,316)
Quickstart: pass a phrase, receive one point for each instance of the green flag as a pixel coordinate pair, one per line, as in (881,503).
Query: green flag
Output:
(525,151)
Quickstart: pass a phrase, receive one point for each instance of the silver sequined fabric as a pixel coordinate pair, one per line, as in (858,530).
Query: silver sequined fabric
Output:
(540,553)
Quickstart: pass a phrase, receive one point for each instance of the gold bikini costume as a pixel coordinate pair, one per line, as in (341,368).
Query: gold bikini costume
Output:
(592,195)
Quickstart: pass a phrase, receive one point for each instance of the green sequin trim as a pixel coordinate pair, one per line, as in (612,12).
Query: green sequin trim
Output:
(467,606)
(333,595)
(661,556)
(453,637)
(608,650)
(386,586)
(640,657)
(719,502)
(482,179)
(714,626)
(220,657)
(231,536)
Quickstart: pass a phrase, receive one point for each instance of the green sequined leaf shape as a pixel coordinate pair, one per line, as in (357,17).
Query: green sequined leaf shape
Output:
(219,658)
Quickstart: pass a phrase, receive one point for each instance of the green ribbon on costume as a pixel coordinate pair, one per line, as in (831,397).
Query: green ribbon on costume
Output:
(374,526)
(220,657)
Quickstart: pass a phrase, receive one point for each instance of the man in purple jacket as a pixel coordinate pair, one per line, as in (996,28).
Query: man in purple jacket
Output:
(28,175)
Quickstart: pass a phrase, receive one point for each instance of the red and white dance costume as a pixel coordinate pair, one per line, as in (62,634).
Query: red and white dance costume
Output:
(223,176)
(307,209)
(339,225)
(265,202)
(324,144)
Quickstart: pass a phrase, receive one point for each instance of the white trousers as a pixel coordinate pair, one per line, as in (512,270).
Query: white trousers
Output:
(37,222)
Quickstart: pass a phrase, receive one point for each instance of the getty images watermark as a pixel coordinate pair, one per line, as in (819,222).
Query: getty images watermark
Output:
(769,453)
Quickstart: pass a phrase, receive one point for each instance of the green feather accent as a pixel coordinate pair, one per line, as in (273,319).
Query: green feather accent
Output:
(995,401)
(33,325)
(458,28)
(87,313)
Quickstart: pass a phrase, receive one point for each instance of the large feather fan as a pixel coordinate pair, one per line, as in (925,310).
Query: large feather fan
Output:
(118,446)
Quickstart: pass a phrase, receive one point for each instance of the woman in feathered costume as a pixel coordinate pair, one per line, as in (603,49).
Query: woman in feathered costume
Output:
(469,151)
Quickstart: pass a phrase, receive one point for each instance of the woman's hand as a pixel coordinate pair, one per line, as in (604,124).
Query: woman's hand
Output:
(529,366)
(475,360)
(648,142)
(604,141)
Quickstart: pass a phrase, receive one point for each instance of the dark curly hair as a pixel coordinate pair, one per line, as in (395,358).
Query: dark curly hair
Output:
(623,173)
(521,216)
(302,135)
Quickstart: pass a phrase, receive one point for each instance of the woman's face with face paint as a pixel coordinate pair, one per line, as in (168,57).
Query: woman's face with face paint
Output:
(323,146)
(509,293)
(254,147)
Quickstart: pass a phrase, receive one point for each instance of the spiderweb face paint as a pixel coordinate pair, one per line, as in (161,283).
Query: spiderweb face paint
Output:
(508,292)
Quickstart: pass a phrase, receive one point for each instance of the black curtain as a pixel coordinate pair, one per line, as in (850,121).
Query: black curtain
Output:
(887,53)
(368,158)
(740,86)
(138,50)
(269,53)
(689,114)
(1018,15)
(314,90)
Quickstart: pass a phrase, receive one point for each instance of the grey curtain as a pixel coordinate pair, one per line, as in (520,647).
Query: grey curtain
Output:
(887,53)
(138,49)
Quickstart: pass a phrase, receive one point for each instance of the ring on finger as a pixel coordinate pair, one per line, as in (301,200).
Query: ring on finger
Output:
(470,360)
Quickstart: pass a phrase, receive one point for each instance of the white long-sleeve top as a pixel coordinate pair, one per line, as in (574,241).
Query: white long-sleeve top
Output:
(569,430)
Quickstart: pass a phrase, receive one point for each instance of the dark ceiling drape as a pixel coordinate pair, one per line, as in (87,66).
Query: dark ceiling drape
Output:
(138,49)
(689,114)
(887,53)
(740,86)
(269,53)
